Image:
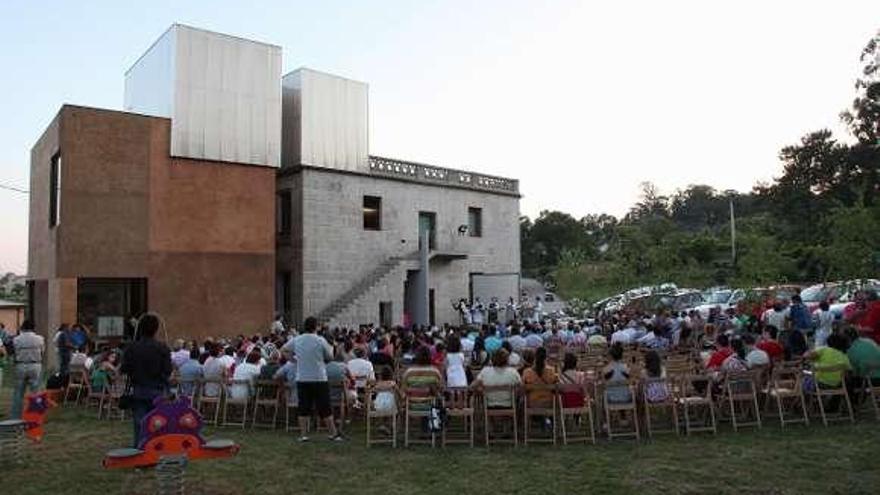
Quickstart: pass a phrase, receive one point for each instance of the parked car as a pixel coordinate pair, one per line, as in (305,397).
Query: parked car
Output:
(839,295)
(760,299)
(722,299)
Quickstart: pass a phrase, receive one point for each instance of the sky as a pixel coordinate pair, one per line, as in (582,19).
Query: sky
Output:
(580,101)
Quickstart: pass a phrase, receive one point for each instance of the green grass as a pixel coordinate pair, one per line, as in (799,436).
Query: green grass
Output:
(839,459)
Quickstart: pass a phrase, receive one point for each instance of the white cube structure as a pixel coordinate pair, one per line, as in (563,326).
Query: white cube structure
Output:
(324,121)
(222,94)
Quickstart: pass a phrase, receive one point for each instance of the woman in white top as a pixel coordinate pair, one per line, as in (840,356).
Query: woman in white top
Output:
(247,371)
(455,374)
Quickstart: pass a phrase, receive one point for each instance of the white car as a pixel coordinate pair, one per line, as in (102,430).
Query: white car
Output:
(723,299)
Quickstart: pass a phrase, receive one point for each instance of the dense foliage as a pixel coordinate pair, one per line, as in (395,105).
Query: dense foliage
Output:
(820,220)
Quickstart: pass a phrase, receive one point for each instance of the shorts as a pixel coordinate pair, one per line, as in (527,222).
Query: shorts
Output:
(314,396)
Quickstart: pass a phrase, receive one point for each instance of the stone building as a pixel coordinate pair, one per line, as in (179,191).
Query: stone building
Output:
(225,194)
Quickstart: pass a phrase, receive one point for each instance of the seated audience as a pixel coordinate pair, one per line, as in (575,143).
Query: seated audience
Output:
(498,374)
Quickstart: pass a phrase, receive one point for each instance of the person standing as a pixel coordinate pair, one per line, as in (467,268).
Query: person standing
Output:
(65,349)
(147,362)
(29,349)
(801,322)
(313,391)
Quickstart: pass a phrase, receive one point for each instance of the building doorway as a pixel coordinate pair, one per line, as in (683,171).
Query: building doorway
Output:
(386,315)
(108,305)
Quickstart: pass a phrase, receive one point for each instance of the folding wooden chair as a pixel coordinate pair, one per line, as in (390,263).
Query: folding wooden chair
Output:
(542,411)
(575,403)
(417,406)
(189,388)
(508,395)
(110,401)
(237,401)
(289,399)
(381,416)
(655,387)
(615,408)
(95,397)
(77,385)
(872,391)
(211,394)
(417,403)
(741,389)
(819,393)
(786,388)
(695,394)
(267,396)
(458,403)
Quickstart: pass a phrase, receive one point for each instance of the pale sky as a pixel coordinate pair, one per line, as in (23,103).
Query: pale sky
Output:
(580,101)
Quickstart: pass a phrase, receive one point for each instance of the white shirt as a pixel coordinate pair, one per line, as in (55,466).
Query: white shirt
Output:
(757,357)
(179,357)
(213,370)
(455,375)
(244,371)
(776,318)
(362,371)
(824,321)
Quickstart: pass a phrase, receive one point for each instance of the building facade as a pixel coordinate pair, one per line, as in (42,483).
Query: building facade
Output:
(225,194)
(118,226)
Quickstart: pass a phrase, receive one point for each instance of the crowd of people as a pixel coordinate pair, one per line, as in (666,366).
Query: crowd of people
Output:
(313,360)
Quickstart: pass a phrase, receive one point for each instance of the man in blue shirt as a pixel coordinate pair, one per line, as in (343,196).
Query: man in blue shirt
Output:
(801,322)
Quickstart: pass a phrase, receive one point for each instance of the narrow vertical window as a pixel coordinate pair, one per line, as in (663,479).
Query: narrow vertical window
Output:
(372,213)
(55,191)
(283,215)
(475,222)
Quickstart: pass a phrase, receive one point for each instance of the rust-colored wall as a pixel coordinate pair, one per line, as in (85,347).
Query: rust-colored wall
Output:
(106,160)
(201,232)
(41,239)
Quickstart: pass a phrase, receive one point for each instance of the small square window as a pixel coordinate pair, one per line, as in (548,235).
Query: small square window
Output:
(372,213)
(475,222)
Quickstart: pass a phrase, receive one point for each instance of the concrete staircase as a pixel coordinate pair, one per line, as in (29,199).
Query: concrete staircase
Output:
(372,279)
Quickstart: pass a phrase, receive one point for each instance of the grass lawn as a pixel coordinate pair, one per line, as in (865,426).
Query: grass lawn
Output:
(839,459)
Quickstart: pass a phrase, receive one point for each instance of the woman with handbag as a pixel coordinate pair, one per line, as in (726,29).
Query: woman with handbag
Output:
(147,365)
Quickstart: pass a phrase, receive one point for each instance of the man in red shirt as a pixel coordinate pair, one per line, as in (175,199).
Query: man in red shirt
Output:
(722,352)
(769,344)
(868,322)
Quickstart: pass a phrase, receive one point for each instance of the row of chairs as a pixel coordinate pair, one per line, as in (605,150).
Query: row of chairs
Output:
(690,402)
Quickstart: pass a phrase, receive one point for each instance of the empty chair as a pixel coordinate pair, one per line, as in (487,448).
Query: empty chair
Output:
(786,390)
(77,385)
(741,394)
(871,387)
(267,396)
(458,403)
(695,399)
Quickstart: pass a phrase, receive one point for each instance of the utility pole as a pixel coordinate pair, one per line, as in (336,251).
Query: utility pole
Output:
(732,233)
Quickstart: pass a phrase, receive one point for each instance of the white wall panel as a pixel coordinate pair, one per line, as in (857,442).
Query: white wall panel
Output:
(149,83)
(325,121)
(222,93)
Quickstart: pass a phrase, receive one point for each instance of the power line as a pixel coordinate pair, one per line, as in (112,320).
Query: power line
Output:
(13,188)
